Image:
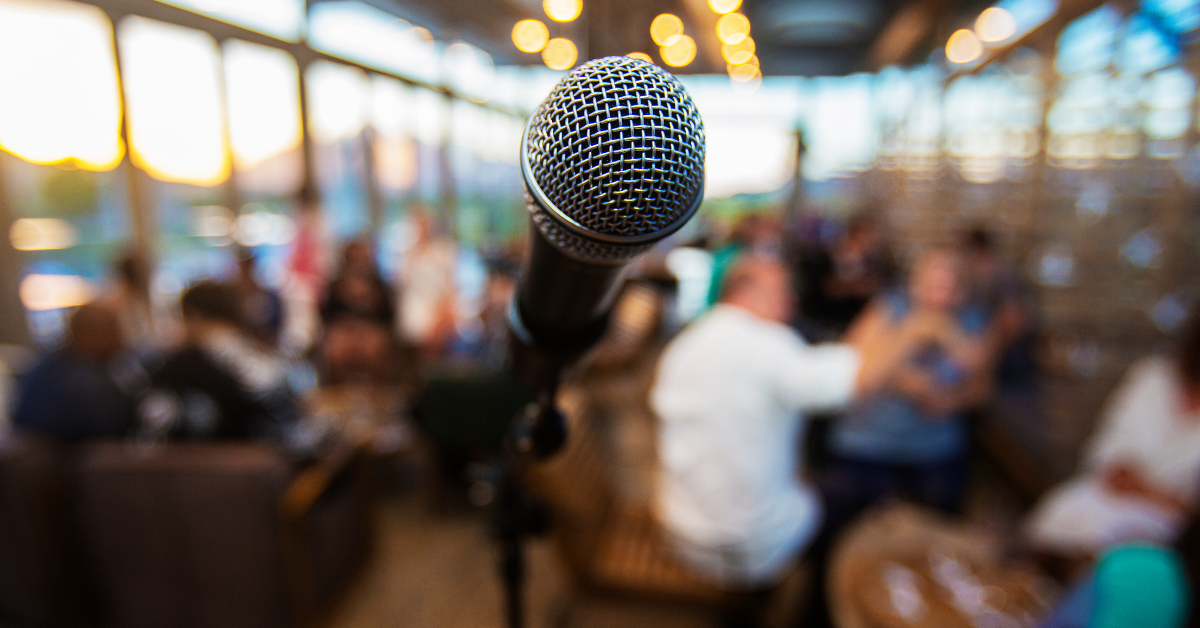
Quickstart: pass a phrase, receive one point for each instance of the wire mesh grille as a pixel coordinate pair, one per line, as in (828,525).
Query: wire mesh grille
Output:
(618,147)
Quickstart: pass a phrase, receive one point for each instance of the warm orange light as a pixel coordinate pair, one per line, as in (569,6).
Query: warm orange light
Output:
(680,52)
(995,25)
(560,54)
(740,52)
(732,28)
(172,93)
(641,55)
(745,73)
(530,36)
(41,234)
(752,61)
(724,6)
(963,47)
(563,10)
(54,292)
(665,29)
(60,100)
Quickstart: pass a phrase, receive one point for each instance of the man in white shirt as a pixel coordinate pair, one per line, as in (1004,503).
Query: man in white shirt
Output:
(730,393)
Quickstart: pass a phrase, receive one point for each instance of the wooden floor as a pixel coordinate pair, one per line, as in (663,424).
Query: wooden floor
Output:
(435,568)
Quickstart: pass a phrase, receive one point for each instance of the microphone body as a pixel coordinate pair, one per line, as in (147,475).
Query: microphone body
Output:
(563,303)
(613,162)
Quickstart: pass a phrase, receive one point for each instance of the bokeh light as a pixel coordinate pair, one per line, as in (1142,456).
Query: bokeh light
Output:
(530,36)
(995,25)
(740,52)
(680,52)
(963,47)
(733,28)
(54,292)
(641,55)
(724,6)
(665,29)
(41,234)
(563,10)
(752,61)
(745,72)
(560,54)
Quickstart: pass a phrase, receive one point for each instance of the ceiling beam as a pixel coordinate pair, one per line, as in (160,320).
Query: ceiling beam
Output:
(904,33)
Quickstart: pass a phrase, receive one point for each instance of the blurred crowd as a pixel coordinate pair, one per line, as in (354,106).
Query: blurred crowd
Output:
(771,323)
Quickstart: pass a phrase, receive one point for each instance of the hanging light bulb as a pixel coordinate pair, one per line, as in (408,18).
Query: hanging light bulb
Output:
(963,47)
(680,53)
(563,10)
(560,54)
(665,28)
(724,6)
(732,28)
(740,52)
(530,36)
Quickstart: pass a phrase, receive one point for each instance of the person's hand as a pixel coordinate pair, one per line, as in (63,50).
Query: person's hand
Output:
(919,386)
(925,326)
(1126,479)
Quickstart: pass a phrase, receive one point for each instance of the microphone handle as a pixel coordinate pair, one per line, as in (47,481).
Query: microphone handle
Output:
(563,303)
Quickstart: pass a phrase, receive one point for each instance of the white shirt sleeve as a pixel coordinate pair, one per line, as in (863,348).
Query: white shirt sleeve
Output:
(1124,415)
(817,377)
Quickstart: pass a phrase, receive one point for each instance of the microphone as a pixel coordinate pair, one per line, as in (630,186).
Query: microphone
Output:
(613,162)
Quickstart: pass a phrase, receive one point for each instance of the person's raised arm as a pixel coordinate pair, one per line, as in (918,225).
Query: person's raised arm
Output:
(883,345)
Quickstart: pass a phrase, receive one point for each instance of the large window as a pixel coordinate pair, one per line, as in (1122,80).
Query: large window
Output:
(60,114)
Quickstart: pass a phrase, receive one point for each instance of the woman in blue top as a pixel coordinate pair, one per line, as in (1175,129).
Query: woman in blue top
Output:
(910,439)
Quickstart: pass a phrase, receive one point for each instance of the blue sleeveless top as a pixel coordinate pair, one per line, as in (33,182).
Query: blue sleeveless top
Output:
(889,428)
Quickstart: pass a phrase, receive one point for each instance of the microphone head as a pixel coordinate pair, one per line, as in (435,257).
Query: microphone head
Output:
(613,159)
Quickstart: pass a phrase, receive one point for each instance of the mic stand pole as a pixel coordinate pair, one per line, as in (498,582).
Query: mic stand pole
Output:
(538,432)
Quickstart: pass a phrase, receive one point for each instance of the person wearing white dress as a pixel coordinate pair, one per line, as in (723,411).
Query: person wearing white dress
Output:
(1140,476)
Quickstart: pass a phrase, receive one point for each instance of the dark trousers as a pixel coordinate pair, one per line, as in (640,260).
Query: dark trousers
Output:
(848,487)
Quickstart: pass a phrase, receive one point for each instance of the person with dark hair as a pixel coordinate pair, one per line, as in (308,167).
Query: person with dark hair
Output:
(840,281)
(994,286)
(130,301)
(1140,477)
(87,389)
(358,316)
(222,382)
(262,309)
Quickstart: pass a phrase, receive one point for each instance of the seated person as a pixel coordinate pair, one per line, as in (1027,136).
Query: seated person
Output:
(86,390)
(909,440)
(1140,477)
(1132,585)
(358,317)
(222,382)
(730,393)
(262,309)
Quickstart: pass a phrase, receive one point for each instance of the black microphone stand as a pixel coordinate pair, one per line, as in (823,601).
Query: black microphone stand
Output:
(537,433)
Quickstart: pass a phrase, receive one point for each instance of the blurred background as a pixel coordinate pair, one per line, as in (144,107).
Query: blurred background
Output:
(349,171)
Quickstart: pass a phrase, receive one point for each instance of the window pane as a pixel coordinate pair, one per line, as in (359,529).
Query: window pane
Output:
(278,18)
(263,96)
(70,225)
(339,101)
(358,32)
(176,124)
(61,100)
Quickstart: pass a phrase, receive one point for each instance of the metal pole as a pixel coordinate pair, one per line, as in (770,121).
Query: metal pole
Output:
(13,329)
